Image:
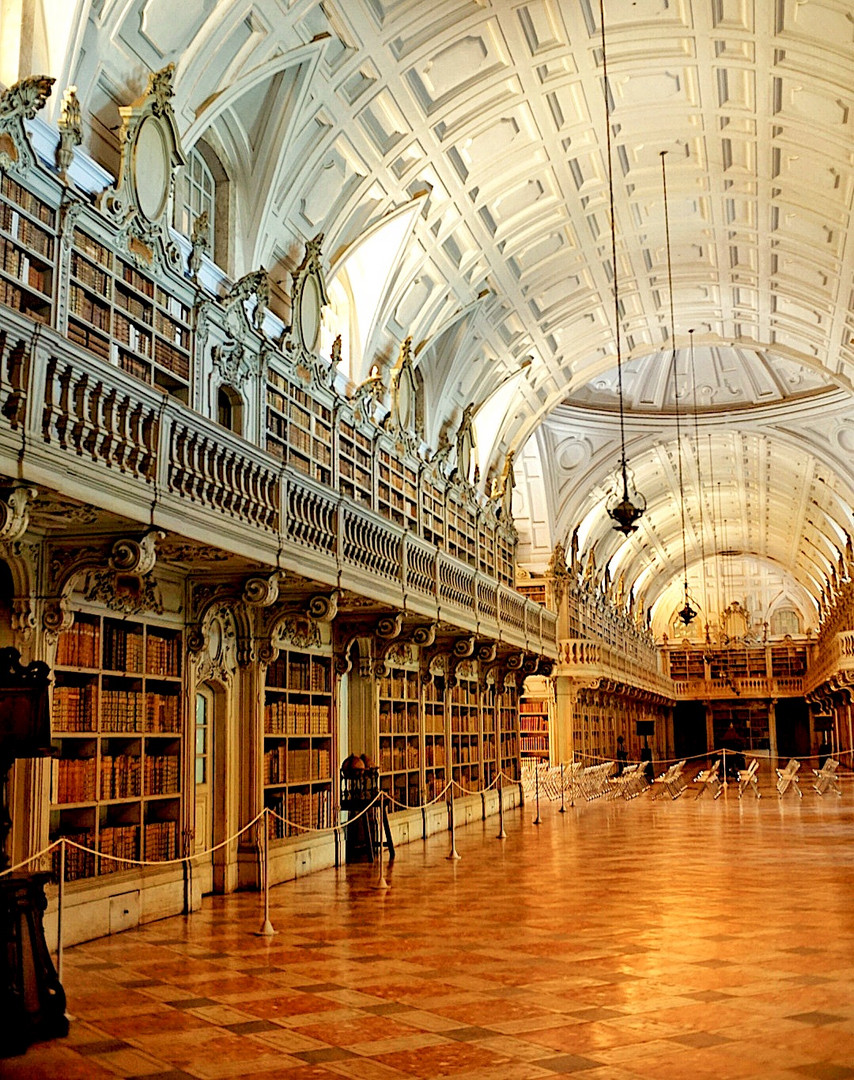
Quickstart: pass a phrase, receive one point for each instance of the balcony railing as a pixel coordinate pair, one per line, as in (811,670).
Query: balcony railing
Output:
(72,421)
(589,660)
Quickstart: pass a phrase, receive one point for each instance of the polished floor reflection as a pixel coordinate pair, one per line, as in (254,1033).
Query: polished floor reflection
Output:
(621,940)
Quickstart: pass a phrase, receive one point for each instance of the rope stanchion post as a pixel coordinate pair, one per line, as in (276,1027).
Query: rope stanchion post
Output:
(267,929)
(380,882)
(452,825)
(424,813)
(537,792)
(60,899)
(502,835)
(724,768)
(562,796)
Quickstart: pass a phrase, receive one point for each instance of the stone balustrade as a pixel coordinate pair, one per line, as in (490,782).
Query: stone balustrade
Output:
(76,423)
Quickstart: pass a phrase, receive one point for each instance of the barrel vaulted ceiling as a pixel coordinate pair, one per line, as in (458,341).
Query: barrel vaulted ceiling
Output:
(470,134)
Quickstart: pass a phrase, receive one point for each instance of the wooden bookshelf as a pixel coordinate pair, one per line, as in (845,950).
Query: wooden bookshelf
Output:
(298,745)
(508,733)
(299,427)
(397,488)
(534,726)
(435,739)
(399,730)
(355,462)
(116,721)
(27,251)
(120,314)
(465,732)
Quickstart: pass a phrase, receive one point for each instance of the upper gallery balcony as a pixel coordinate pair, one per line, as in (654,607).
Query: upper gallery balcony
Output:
(133,380)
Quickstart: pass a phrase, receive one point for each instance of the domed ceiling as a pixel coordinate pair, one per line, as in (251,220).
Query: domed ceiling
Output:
(477,127)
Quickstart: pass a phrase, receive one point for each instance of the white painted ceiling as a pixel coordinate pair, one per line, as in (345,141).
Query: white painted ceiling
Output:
(488,117)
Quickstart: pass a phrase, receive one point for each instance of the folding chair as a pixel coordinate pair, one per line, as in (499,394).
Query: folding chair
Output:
(710,780)
(747,779)
(788,778)
(671,782)
(826,778)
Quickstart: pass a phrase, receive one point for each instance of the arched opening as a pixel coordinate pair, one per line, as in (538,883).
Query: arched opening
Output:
(209,775)
(229,409)
(204,188)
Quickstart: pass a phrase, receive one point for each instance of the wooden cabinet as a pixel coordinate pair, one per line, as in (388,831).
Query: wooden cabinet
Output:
(27,251)
(117,727)
(298,743)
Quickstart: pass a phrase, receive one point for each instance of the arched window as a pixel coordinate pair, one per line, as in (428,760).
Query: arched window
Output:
(784,621)
(203,187)
(229,409)
(197,194)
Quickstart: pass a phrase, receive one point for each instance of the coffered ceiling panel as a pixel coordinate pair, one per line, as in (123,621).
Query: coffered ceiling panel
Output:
(492,113)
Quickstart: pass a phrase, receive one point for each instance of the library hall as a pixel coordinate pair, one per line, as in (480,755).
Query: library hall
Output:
(426,539)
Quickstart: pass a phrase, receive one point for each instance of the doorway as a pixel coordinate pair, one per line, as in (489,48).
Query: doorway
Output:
(209,778)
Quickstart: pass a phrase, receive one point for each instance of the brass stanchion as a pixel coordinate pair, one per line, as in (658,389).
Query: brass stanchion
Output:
(562,798)
(502,835)
(537,789)
(60,897)
(453,853)
(267,929)
(381,882)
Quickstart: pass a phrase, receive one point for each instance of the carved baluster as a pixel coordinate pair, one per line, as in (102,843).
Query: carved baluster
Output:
(148,439)
(178,459)
(49,410)
(133,432)
(122,425)
(108,427)
(62,421)
(93,435)
(79,398)
(16,364)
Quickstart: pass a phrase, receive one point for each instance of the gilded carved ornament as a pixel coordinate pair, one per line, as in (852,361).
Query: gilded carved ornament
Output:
(18,103)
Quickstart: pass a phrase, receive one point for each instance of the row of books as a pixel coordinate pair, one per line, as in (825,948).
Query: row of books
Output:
(13,191)
(284,766)
(464,723)
(73,780)
(293,672)
(89,275)
(396,756)
(162,654)
(434,755)
(86,307)
(12,296)
(537,706)
(172,331)
(168,357)
(162,774)
(18,263)
(82,335)
(534,723)
(123,648)
(399,722)
(87,244)
(80,645)
(120,776)
(304,810)
(296,718)
(534,744)
(127,333)
(400,684)
(26,232)
(129,710)
(135,279)
(75,708)
(434,721)
(464,693)
(160,840)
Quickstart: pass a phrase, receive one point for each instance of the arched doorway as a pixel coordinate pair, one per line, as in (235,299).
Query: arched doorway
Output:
(209,774)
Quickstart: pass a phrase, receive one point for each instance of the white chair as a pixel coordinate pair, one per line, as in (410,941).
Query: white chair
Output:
(710,779)
(671,782)
(826,778)
(747,779)
(788,778)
